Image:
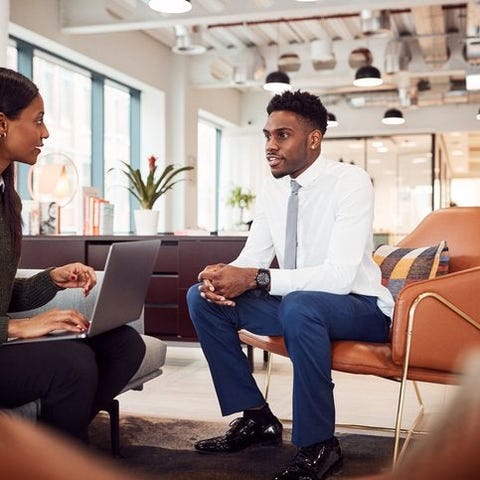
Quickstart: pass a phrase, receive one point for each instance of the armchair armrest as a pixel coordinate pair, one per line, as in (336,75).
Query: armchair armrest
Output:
(445,325)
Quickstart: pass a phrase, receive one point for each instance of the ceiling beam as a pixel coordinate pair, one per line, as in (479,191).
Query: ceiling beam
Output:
(430,29)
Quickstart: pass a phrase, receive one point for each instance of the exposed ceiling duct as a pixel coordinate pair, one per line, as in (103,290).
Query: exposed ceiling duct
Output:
(397,56)
(188,41)
(375,22)
(315,40)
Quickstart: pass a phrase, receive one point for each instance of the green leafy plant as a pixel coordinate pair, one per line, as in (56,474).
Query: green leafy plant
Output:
(240,198)
(148,191)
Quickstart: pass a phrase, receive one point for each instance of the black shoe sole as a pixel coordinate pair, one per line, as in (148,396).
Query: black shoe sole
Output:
(261,443)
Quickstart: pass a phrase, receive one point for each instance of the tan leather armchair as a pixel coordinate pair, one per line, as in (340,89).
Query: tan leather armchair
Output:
(435,324)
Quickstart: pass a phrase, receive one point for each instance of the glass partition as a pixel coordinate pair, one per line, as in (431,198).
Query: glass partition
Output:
(401,169)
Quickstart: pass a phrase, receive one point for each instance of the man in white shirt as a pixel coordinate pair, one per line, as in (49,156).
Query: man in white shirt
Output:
(333,292)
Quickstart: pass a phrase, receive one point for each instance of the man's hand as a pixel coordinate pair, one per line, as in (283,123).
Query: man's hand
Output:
(74,275)
(221,283)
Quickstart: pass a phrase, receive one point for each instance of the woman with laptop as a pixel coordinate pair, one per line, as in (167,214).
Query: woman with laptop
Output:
(74,379)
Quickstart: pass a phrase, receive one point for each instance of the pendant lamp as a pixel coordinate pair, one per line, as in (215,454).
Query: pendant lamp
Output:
(277,82)
(170,6)
(393,116)
(368,76)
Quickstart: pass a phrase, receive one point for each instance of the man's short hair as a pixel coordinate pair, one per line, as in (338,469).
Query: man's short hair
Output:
(304,104)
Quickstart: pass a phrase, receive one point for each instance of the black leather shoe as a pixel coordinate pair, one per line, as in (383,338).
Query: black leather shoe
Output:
(242,434)
(315,462)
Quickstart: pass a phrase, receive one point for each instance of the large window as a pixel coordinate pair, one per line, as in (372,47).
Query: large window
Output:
(91,121)
(66,92)
(209,137)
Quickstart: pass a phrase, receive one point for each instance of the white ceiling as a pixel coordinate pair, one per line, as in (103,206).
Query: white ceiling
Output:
(436,43)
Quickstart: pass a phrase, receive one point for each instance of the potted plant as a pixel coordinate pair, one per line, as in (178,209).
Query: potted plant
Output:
(148,191)
(242,199)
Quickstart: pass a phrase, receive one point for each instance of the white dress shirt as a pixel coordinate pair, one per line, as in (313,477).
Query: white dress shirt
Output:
(334,233)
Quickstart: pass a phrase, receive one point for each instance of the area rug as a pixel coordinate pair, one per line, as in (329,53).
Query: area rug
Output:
(163,448)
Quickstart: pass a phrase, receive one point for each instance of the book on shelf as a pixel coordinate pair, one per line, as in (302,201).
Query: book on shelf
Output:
(96,213)
(84,223)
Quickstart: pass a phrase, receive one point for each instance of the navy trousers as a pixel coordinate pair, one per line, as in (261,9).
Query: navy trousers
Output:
(309,321)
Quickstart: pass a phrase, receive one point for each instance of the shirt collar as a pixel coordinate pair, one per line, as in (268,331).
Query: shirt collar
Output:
(307,177)
(2,184)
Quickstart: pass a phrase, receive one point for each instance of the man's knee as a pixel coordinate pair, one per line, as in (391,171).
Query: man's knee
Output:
(193,297)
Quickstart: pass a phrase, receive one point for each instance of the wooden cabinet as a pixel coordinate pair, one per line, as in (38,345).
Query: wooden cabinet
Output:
(179,261)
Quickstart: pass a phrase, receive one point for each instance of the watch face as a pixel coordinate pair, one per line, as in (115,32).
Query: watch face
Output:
(262,279)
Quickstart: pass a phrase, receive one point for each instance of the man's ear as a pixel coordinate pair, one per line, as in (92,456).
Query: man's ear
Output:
(315,139)
(3,123)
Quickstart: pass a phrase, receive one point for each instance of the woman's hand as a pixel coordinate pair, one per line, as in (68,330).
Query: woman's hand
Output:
(47,322)
(74,275)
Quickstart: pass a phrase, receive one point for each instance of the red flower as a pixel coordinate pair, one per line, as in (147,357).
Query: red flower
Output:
(151,163)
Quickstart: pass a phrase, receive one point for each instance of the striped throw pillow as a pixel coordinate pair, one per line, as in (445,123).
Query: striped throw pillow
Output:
(402,266)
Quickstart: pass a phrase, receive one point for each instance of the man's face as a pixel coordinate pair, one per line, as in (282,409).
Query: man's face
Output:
(291,146)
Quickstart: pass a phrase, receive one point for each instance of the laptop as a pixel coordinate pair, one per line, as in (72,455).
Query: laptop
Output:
(122,293)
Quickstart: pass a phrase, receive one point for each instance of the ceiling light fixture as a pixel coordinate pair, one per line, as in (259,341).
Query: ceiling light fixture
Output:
(331,120)
(393,116)
(368,76)
(277,82)
(170,6)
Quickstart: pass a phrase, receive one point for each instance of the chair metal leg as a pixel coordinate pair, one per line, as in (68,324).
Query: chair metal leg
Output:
(397,453)
(268,374)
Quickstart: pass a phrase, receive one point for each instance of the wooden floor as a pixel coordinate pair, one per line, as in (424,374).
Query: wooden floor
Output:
(185,390)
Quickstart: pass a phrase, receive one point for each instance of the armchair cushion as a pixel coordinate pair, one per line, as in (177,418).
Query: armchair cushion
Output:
(401,266)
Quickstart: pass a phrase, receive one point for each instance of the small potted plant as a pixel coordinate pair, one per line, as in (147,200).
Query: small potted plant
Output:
(242,199)
(148,191)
